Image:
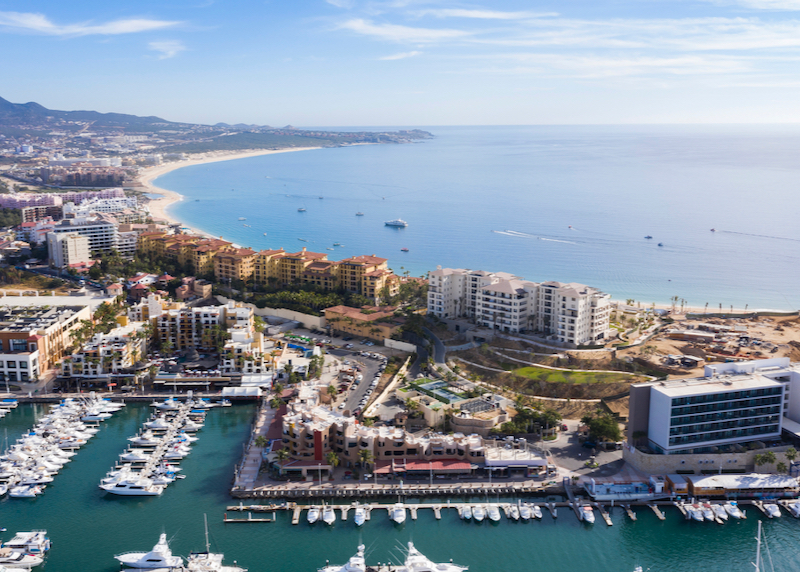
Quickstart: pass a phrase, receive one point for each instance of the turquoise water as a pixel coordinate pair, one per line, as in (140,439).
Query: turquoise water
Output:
(545,203)
(88,528)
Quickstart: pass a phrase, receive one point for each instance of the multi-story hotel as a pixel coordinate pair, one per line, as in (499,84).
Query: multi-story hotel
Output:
(189,328)
(33,339)
(733,403)
(569,313)
(108,355)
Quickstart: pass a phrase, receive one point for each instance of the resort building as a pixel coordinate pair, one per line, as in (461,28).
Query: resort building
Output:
(68,249)
(244,351)
(732,404)
(234,264)
(377,323)
(100,229)
(33,339)
(201,327)
(108,355)
(369,276)
(573,313)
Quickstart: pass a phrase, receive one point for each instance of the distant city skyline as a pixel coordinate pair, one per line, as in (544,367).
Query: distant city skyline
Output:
(410,62)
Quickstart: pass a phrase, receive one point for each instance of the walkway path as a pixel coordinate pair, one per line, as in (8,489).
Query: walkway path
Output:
(247,471)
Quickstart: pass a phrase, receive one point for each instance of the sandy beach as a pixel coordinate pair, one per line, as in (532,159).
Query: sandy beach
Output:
(159,207)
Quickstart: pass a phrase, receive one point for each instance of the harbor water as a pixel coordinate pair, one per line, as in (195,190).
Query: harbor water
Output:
(88,527)
(572,204)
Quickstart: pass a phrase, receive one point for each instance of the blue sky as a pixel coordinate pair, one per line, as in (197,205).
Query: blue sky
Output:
(409,62)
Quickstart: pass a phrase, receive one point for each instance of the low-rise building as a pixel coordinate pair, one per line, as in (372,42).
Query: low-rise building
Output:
(108,355)
(374,322)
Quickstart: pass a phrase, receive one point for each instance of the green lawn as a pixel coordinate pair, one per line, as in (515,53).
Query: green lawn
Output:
(555,376)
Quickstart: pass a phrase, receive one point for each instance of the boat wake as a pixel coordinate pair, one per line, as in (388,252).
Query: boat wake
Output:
(759,235)
(517,234)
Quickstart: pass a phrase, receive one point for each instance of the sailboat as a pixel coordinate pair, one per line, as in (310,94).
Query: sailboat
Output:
(208,561)
(759,564)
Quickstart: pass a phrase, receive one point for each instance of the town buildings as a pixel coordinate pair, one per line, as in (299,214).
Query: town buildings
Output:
(377,322)
(100,229)
(68,249)
(108,355)
(732,404)
(33,339)
(569,313)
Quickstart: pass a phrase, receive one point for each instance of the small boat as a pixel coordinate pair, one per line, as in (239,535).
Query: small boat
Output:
(18,559)
(732,508)
(478,513)
(337,244)
(713,230)
(360,515)
(302,240)
(648,237)
(695,512)
(329,248)
(719,511)
(537,511)
(241,217)
(355,564)
(25,491)
(159,557)
(301,210)
(208,561)
(321,198)
(708,513)
(403,250)
(524,512)
(328,515)
(587,514)
(265,234)
(794,508)
(493,512)
(466,513)
(398,222)
(772,509)
(313,515)
(225,403)
(513,512)
(359,213)
(398,513)
(661,244)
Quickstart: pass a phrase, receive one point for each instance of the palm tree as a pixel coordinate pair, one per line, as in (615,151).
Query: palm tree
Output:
(261,442)
(333,461)
(368,422)
(791,454)
(365,456)
(781,467)
(282,455)
(332,391)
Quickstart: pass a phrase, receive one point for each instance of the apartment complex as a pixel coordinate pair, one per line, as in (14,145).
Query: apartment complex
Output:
(33,339)
(570,313)
(100,229)
(108,355)
(244,351)
(200,327)
(732,404)
(67,249)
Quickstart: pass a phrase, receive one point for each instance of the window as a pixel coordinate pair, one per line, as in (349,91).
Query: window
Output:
(18,345)
(23,365)
(11,364)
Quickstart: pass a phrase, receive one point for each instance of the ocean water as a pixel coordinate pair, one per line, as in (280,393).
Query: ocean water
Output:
(546,203)
(88,527)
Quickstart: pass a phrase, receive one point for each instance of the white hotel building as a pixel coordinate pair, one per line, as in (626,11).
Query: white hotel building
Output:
(733,403)
(569,313)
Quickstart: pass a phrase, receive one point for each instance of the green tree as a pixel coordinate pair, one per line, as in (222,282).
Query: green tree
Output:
(332,391)
(791,454)
(282,455)
(333,459)
(365,456)
(260,442)
(602,426)
(781,467)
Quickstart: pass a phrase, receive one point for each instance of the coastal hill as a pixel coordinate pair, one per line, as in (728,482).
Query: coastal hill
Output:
(25,123)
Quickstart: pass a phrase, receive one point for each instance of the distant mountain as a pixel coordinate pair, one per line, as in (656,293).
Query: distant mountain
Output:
(33,113)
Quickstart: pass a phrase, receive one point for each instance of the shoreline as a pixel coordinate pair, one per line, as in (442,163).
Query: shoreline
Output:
(159,207)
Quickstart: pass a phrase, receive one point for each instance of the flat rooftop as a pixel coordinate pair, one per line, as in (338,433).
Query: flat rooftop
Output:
(703,385)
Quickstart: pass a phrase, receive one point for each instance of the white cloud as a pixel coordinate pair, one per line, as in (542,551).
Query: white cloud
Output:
(789,5)
(482,14)
(396,33)
(38,23)
(167,48)
(346,4)
(401,56)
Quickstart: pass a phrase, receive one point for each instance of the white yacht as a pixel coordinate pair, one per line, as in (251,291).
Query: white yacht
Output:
(719,511)
(493,512)
(398,513)
(34,542)
(396,222)
(478,513)
(732,508)
(18,559)
(794,508)
(355,564)
(313,514)
(513,512)
(417,562)
(328,515)
(208,561)
(536,510)
(524,512)
(587,514)
(159,423)
(159,557)
(25,491)
(134,486)
(135,456)
(360,515)
(695,511)
(708,513)
(466,512)
(772,509)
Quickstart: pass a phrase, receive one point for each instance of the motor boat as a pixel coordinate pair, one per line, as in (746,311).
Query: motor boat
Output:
(34,542)
(25,491)
(169,404)
(732,508)
(537,511)
(415,561)
(159,424)
(794,508)
(708,513)
(695,512)
(159,557)
(398,222)
(587,514)
(493,512)
(133,486)
(719,511)
(524,512)
(478,513)
(513,512)
(135,456)
(398,513)
(328,515)
(360,515)
(18,559)
(355,564)
(313,514)
(208,561)
(772,509)
(466,512)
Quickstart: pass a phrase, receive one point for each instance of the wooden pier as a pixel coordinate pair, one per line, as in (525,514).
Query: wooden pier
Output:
(629,511)
(606,516)
(248,519)
(656,510)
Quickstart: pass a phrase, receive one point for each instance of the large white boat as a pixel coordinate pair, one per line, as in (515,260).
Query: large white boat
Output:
(732,508)
(328,515)
(794,508)
(537,511)
(695,511)
(493,512)
(396,222)
(134,487)
(208,561)
(587,514)
(25,491)
(313,514)
(159,557)
(513,512)
(360,515)
(466,512)
(15,559)
(417,562)
(525,512)
(34,542)
(719,511)
(398,513)
(708,513)
(772,509)
(355,564)
(478,513)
